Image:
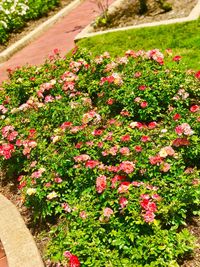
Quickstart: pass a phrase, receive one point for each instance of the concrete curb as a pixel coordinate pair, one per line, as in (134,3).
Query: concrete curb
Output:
(19,245)
(87,31)
(7,53)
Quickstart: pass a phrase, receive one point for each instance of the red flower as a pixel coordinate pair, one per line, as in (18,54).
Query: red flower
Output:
(125,138)
(176,117)
(148,205)
(138,148)
(110,101)
(145,138)
(197,74)
(152,125)
(143,104)
(142,87)
(101,183)
(97,132)
(155,160)
(91,163)
(73,259)
(176,58)
(194,108)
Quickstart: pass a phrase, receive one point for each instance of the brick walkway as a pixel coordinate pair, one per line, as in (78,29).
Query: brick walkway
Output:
(3,260)
(61,36)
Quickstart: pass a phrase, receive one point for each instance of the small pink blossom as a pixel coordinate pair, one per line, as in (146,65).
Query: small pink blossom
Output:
(148,216)
(124,151)
(123,202)
(107,212)
(127,166)
(101,183)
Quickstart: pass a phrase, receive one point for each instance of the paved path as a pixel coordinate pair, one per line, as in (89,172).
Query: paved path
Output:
(60,36)
(3,260)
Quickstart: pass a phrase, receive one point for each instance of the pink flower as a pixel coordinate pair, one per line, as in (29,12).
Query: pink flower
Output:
(123,202)
(83,215)
(148,205)
(155,160)
(165,167)
(113,150)
(194,108)
(124,151)
(97,132)
(58,180)
(123,188)
(148,216)
(107,212)
(127,166)
(91,163)
(81,158)
(137,74)
(179,130)
(116,179)
(180,142)
(143,104)
(66,125)
(12,136)
(73,259)
(66,207)
(101,183)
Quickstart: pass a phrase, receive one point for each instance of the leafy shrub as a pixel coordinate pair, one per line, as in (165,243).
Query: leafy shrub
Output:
(15,14)
(109,149)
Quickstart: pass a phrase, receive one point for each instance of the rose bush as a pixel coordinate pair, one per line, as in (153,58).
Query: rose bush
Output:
(108,148)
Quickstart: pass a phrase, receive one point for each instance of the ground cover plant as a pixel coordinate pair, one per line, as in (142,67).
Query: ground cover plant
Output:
(108,149)
(183,38)
(15,13)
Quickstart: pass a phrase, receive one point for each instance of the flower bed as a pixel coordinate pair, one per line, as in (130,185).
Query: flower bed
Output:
(108,148)
(15,14)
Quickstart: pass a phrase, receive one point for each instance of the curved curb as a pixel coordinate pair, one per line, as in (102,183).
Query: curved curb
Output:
(7,53)
(19,245)
(87,31)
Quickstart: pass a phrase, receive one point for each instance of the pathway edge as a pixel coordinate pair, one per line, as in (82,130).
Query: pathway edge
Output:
(11,50)
(18,243)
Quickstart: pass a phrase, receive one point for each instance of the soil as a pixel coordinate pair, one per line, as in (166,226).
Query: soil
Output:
(127,14)
(33,24)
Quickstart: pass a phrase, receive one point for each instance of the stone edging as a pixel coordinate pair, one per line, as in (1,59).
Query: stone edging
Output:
(18,243)
(7,53)
(87,31)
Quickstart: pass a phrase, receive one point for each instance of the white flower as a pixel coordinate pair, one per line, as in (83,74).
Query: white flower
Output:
(52,195)
(31,191)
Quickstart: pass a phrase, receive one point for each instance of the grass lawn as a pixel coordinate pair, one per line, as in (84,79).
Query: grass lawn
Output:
(182,38)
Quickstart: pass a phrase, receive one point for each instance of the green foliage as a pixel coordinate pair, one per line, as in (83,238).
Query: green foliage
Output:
(15,14)
(183,38)
(107,148)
